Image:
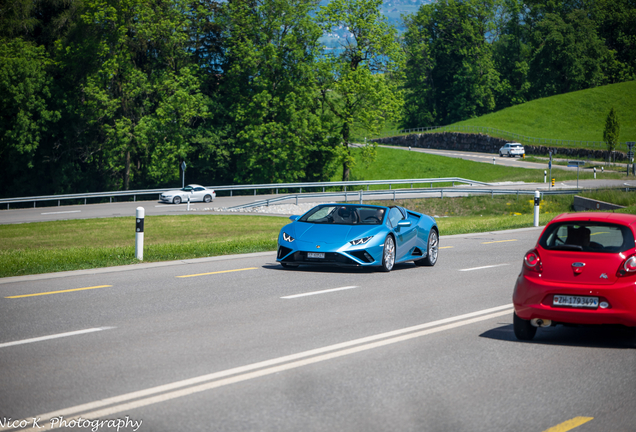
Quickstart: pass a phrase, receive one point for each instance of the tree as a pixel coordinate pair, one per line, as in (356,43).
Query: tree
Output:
(450,73)
(511,54)
(25,107)
(612,131)
(568,54)
(134,92)
(274,126)
(358,80)
(614,21)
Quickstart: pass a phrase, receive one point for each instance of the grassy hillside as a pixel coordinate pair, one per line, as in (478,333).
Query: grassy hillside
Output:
(402,164)
(572,116)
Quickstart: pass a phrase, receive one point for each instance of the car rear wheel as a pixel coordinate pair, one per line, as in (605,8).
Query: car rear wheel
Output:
(177,200)
(207,198)
(388,256)
(431,250)
(523,329)
(500,154)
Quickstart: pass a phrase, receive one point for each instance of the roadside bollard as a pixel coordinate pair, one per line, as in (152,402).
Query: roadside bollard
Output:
(493,161)
(594,172)
(553,182)
(537,201)
(139,234)
(188,203)
(602,170)
(545,176)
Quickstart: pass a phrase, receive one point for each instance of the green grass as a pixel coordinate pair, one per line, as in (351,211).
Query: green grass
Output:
(399,163)
(46,247)
(70,245)
(576,116)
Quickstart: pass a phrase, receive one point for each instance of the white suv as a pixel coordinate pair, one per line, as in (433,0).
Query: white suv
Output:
(512,149)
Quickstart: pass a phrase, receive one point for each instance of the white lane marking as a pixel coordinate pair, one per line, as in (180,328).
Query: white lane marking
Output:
(484,267)
(61,212)
(54,336)
(267,367)
(318,292)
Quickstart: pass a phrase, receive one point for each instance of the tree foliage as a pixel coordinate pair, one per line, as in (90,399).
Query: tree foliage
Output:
(612,130)
(359,79)
(450,71)
(115,94)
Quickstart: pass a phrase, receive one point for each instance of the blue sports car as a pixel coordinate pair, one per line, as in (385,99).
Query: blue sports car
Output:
(358,235)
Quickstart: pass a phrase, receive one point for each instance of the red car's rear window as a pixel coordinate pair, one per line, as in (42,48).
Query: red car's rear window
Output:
(587,236)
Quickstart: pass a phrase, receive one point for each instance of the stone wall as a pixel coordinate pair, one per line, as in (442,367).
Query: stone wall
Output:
(487,144)
(585,204)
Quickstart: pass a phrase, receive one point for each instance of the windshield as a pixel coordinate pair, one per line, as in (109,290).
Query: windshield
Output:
(588,237)
(344,215)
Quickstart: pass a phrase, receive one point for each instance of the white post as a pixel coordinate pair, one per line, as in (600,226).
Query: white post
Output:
(545,176)
(537,200)
(139,234)
(188,209)
(594,172)
(493,161)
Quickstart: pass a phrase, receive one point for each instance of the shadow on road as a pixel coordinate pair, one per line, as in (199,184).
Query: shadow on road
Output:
(581,336)
(337,270)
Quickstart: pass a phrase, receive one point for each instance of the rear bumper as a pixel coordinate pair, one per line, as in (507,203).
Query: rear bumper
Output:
(532,298)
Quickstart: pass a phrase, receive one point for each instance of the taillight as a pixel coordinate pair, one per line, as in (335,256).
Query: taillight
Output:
(532,261)
(628,266)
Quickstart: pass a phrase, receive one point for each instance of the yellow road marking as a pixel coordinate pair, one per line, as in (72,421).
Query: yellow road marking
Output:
(217,272)
(446,247)
(499,241)
(570,424)
(59,292)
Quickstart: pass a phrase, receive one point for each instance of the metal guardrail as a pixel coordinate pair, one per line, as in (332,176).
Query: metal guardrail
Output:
(361,195)
(513,137)
(231,188)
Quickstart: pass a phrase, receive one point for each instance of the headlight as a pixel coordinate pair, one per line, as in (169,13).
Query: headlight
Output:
(287,237)
(361,241)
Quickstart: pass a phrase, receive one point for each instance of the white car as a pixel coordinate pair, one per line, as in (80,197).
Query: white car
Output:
(193,192)
(512,150)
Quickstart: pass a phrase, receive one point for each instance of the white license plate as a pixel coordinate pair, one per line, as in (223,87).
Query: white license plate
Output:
(315,254)
(575,301)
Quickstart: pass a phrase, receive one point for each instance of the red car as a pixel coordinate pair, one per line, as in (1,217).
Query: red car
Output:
(582,271)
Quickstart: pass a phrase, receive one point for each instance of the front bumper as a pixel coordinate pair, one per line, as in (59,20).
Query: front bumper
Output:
(532,298)
(346,256)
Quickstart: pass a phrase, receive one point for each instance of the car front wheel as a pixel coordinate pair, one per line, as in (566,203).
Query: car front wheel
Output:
(177,200)
(388,256)
(523,329)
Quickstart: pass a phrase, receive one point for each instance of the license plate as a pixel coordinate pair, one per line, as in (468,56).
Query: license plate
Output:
(575,301)
(315,254)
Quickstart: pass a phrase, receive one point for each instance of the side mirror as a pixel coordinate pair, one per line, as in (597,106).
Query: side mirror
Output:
(404,224)
(294,218)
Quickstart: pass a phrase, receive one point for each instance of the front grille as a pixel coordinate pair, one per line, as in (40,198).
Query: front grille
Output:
(331,258)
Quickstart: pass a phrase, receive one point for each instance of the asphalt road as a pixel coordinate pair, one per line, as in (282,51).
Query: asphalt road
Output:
(240,344)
